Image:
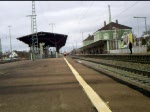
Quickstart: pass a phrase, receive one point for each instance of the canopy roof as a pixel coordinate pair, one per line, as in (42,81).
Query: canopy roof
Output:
(93,44)
(50,39)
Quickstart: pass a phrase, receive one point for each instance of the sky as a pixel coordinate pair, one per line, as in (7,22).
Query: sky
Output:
(69,17)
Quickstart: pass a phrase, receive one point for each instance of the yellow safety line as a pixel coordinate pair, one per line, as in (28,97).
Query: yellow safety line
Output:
(99,104)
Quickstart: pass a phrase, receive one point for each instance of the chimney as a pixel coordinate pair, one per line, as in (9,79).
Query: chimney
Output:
(104,23)
(117,21)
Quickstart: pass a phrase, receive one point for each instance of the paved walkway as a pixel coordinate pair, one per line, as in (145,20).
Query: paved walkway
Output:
(49,85)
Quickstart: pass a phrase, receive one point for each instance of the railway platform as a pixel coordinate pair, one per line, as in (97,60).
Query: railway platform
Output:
(64,85)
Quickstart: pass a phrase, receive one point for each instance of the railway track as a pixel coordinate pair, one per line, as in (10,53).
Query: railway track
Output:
(134,58)
(9,61)
(135,76)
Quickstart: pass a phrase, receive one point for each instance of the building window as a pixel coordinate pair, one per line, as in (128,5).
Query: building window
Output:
(96,37)
(115,35)
(106,36)
(125,33)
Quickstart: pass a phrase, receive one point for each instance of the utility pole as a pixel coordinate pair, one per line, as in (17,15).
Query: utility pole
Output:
(75,43)
(31,20)
(0,47)
(52,26)
(145,22)
(34,30)
(34,46)
(82,36)
(109,13)
(10,40)
(54,49)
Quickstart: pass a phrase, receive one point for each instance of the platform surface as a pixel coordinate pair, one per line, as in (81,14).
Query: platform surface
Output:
(48,85)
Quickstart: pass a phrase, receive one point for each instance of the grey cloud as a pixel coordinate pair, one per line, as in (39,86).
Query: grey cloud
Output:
(70,17)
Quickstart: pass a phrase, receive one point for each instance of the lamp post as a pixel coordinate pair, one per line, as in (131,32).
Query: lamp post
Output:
(54,49)
(10,41)
(145,22)
(52,26)
(145,25)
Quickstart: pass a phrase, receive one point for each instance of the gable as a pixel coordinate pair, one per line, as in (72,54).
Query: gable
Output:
(90,37)
(116,25)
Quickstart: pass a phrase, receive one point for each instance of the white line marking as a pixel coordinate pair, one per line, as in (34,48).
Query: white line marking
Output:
(93,96)
(79,61)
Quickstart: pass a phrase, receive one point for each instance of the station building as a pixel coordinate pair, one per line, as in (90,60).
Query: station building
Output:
(105,39)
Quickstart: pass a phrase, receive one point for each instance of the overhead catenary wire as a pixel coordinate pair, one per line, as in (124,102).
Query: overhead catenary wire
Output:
(83,16)
(46,22)
(122,12)
(90,6)
(126,9)
(80,13)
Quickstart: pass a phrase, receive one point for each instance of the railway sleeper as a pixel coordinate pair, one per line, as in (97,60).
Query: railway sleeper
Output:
(140,80)
(122,72)
(119,67)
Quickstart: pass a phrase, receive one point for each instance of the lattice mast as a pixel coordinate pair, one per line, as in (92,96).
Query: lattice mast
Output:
(34,30)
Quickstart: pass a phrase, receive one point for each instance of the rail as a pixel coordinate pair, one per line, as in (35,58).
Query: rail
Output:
(136,77)
(134,58)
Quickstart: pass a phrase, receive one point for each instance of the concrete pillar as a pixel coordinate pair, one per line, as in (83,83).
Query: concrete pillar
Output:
(108,46)
(112,42)
(116,42)
(56,54)
(119,44)
(41,50)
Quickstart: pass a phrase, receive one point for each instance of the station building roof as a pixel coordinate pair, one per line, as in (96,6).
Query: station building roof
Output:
(113,24)
(90,37)
(50,39)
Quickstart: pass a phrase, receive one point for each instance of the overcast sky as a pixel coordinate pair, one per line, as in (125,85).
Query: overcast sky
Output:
(70,18)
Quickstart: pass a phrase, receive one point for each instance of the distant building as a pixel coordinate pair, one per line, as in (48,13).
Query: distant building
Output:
(107,38)
(142,41)
(23,54)
(13,55)
(148,43)
(113,33)
(17,54)
(88,40)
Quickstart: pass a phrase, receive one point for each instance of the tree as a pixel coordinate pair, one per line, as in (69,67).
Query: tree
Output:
(1,55)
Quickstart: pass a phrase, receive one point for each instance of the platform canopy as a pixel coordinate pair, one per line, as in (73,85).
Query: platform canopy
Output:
(50,39)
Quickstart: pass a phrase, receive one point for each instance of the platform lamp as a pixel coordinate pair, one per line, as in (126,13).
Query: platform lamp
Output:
(145,25)
(145,22)
(10,41)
